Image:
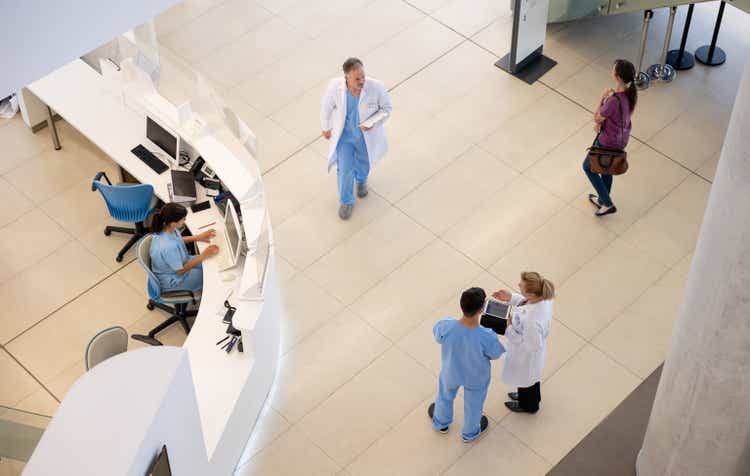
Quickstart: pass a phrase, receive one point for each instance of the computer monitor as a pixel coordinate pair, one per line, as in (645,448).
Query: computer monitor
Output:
(233,232)
(160,136)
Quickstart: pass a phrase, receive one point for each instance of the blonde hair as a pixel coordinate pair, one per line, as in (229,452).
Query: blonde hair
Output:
(537,285)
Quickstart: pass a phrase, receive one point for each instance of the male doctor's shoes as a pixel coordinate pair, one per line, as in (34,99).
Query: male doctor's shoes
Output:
(362,190)
(345,211)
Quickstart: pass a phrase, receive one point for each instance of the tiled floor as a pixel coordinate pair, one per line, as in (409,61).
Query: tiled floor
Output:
(483,181)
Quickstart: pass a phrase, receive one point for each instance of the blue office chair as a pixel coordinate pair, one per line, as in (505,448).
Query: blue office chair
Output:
(128,203)
(173,302)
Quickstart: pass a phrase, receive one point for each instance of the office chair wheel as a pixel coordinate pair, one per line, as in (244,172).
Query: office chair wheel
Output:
(150,306)
(107,232)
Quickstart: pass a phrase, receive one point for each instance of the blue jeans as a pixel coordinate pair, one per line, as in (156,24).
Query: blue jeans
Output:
(473,405)
(602,183)
(353,164)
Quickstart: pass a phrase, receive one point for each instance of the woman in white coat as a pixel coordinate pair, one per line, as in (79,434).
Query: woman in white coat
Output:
(526,336)
(352,113)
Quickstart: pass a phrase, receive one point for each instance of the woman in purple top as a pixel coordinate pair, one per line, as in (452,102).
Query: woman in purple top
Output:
(613,126)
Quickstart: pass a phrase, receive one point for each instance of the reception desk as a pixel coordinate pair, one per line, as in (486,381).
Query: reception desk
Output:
(199,401)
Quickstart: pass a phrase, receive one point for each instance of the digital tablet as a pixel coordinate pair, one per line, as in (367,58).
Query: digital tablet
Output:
(497,308)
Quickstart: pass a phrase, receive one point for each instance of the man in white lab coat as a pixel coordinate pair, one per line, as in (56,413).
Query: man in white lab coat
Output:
(352,114)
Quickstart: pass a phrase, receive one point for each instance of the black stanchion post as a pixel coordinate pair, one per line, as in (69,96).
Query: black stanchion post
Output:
(681,59)
(712,55)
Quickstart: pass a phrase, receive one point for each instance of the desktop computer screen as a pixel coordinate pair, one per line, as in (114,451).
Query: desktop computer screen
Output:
(161,137)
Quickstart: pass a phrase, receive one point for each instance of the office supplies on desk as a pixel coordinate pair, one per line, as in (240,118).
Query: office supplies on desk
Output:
(199,207)
(207,225)
(183,186)
(149,159)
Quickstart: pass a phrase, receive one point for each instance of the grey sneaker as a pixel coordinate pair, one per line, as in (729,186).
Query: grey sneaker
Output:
(345,211)
(362,190)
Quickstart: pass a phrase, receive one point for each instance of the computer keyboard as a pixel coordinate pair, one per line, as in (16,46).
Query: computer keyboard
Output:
(149,159)
(222,257)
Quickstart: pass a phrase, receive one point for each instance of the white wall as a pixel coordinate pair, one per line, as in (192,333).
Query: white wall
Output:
(39,36)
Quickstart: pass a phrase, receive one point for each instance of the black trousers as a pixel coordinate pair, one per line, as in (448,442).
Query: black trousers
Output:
(529,397)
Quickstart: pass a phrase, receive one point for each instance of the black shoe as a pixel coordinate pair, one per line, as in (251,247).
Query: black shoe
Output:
(516,407)
(594,200)
(146,339)
(484,423)
(430,412)
(606,210)
(513,395)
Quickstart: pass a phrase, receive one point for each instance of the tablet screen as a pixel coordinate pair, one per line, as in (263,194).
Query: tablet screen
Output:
(497,308)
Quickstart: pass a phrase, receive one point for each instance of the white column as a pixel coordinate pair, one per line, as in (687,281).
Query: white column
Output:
(700,421)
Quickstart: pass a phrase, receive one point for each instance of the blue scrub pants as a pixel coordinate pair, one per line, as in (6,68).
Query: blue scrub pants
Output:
(353,164)
(192,280)
(473,405)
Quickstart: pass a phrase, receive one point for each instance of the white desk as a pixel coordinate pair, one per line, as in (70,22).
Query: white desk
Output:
(230,389)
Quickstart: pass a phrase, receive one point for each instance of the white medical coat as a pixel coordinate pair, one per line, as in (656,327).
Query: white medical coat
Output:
(373,98)
(526,342)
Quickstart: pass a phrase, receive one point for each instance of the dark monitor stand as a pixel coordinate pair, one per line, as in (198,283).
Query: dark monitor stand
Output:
(160,466)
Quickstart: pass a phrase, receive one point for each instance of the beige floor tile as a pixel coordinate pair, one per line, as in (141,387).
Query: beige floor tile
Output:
(181,13)
(504,220)
(31,237)
(670,229)
(275,144)
(569,62)
(316,229)
(250,53)
(695,136)
(78,208)
(708,169)
(268,428)
(285,270)
(558,249)
(301,116)
(314,18)
(528,137)
(561,170)
(468,21)
(429,6)
(17,383)
(306,458)
(399,57)
(656,109)
(46,286)
(11,467)
(431,276)
(447,196)
(295,183)
(650,178)
(496,36)
(105,247)
(63,335)
(323,362)
(411,161)
(197,38)
(40,402)
(392,385)
(20,144)
(362,260)
(413,447)
(514,458)
(136,277)
(574,400)
(590,299)
(489,105)
(586,86)
(15,203)
(305,307)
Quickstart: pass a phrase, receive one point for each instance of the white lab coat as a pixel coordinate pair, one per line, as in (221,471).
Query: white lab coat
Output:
(373,97)
(526,342)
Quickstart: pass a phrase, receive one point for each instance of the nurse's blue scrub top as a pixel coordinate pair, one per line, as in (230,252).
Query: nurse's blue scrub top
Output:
(168,255)
(466,353)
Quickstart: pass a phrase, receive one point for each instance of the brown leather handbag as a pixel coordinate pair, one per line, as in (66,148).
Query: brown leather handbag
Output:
(606,161)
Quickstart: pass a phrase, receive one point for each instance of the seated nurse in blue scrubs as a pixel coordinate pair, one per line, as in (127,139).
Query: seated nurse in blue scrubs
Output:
(170,261)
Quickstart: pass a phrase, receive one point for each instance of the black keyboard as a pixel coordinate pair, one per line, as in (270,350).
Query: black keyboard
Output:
(150,159)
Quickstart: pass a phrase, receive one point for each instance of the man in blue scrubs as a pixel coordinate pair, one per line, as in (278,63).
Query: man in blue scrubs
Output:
(352,114)
(467,349)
